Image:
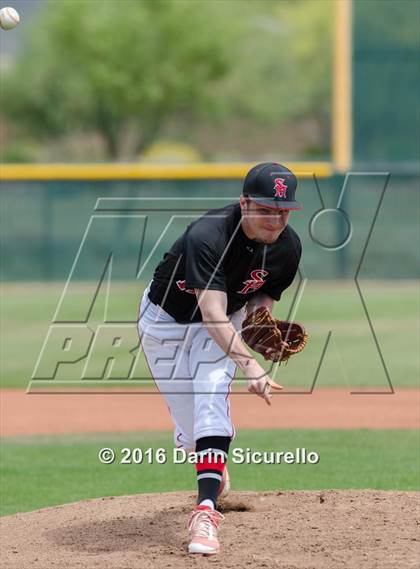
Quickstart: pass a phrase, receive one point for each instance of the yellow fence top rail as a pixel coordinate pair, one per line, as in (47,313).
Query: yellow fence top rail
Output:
(133,171)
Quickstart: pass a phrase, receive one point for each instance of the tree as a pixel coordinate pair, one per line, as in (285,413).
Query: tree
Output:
(89,66)
(108,67)
(286,63)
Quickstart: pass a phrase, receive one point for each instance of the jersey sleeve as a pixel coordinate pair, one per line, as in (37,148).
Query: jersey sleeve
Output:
(274,287)
(203,267)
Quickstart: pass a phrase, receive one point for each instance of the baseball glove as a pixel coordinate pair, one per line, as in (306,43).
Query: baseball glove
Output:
(276,340)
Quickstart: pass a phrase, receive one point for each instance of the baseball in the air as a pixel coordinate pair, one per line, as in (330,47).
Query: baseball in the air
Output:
(9,18)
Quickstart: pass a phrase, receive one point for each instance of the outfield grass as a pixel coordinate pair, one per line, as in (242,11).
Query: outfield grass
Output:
(46,471)
(351,359)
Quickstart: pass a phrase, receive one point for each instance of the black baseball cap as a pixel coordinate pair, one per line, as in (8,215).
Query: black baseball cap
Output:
(271,185)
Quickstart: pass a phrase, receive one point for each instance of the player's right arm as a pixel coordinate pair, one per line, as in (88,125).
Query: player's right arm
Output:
(213,304)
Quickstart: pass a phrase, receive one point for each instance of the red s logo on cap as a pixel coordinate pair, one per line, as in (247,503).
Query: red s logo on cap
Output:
(280,188)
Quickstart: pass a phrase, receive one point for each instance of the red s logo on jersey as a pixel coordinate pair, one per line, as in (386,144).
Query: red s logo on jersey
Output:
(255,282)
(181,286)
(280,188)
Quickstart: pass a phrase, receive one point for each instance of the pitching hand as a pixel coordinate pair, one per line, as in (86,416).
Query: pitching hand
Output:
(261,387)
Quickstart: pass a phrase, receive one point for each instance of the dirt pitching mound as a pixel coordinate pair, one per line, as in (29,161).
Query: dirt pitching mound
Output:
(287,530)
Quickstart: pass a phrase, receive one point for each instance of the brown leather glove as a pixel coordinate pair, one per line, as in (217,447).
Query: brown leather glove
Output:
(276,340)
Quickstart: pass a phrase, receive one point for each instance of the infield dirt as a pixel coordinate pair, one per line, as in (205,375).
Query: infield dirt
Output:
(288,530)
(37,414)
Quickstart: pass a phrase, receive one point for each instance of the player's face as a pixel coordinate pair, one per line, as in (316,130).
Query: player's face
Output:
(261,223)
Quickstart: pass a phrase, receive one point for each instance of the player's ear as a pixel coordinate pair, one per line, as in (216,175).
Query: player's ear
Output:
(243,203)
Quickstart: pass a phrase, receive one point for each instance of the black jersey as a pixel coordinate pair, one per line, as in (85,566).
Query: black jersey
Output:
(214,253)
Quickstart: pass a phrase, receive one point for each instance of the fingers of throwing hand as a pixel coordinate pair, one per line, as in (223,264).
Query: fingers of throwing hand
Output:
(266,394)
(262,390)
(274,385)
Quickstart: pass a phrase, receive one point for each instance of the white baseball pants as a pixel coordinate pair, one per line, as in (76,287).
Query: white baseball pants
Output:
(191,371)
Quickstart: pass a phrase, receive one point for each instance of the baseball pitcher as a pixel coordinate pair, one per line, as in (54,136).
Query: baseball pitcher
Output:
(209,301)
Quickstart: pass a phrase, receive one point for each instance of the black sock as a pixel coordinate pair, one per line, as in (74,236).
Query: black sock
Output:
(215,451)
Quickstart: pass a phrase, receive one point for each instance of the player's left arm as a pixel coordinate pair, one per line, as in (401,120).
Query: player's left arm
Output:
(257,300)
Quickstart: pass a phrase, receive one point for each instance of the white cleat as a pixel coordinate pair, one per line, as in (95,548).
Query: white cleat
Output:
(203,525)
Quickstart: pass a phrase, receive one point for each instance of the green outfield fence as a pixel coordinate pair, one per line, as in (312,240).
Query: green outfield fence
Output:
(45,212)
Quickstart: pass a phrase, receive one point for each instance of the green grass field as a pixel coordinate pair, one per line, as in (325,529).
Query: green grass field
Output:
(46,471)
(351,359)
